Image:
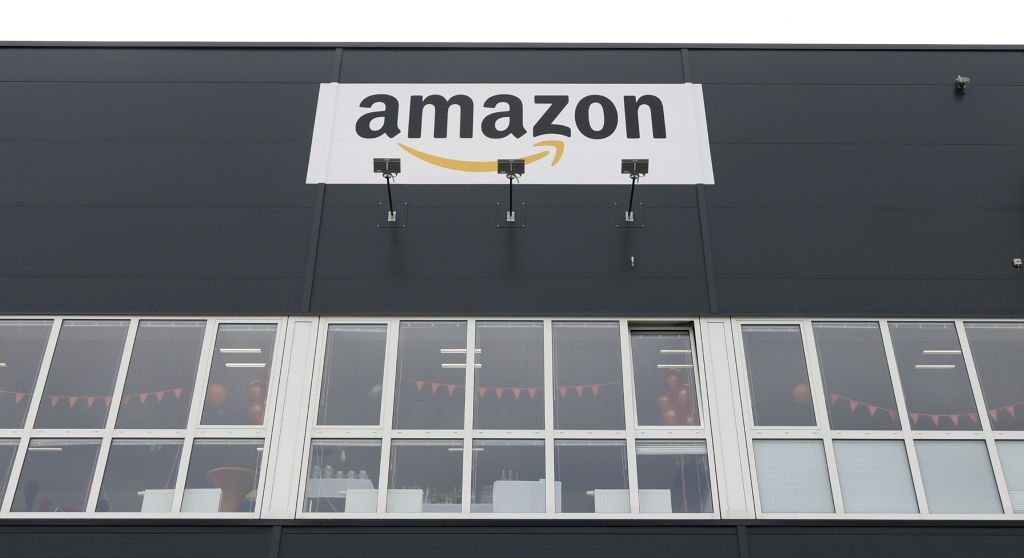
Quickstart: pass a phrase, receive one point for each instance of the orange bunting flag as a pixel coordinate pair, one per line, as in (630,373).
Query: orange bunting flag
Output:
(955,419)
(126,399)
(994,414)
(499,391)
(935,419)
(853,405)
(53,400)
(1012,410)
(451,389)
(107,400)
(515,392)
(419,385)
(563,390)
(594,388)
(872,409)
(434,386)
(914,417)
(533,391)
(834,398)
(160,396)
(579,390)
(72,400)
(142,397)
(483,391)
(90,400)
(892,415)
(18,397)
(973,417)
(177,393)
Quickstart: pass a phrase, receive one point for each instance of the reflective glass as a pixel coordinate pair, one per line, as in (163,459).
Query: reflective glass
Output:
(1011,457)
(56,476)
(777,370)
(343,476)
(82,373)
(350,392)
(858,386)
(425,476)
(674,476)
(957,476)
(591,476)
(8,449)
(934,376)
(998,350)
(874,476)
(588,376)
(224,475)
(431,380)
(510,375)
(22,343)
(508,476)
(141,476)
(237,390)
(158,389)
(792,476)
(663,376)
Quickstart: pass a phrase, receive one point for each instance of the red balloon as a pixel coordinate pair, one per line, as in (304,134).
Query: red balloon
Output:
(802,393)
(662,401)
(256,413)
(258,391)
(691,420)
(670,418)
(673,379)
(216,394)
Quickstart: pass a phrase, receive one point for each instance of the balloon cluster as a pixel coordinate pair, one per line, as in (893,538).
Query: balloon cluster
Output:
(675,402)
(217,394)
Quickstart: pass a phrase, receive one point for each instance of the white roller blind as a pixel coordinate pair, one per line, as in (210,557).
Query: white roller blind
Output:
(874,476)
(957,477)
(1011,456)
(792,476)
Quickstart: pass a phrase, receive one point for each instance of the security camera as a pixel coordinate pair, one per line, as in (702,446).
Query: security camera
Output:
(1018,263)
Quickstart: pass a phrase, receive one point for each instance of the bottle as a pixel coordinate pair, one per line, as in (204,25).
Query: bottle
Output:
(328,472)
(363,475)
(315,472)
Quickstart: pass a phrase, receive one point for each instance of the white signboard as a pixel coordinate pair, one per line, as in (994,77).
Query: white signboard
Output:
(455,133)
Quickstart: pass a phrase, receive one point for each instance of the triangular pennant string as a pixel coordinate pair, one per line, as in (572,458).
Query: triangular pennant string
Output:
(892,415)
(994,414)
(90,400)
(955,419)
(914,417)
(1012,410)
(872,409)
(515,392)
(579,390)
(18,397)
(935,419)
(834,398)
(973,417)
(126,399)
(451,389)
(499,391)
(483,391)
(563,390)
(594,388)
(434,386)
(53,400)
(142,397)
(72,400)
(107,400)
(419,385)
(177,393)
(853,405)
(533,391)
(160,395)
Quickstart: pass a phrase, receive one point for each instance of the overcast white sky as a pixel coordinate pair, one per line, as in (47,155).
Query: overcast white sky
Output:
(654,21)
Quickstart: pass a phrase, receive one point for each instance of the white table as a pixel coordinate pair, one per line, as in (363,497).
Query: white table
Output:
(334,488)
(194,500)
(405,500)
(523,496)
(360,500)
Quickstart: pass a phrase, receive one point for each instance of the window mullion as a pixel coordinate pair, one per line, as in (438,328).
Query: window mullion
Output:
(629,393)
(387,413)
(901,408)
(549,423)
(467,441)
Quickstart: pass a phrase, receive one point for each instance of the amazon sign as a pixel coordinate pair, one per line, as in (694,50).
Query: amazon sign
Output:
(455,133)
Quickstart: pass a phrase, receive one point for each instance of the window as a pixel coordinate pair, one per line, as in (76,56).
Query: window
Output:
(592,475)
(663,377)
(430,387)
(792,476)
(509,375)
(858,384)
(508,476)
(426,476)
(22,343)
(874,476)
(779,389)
(56,475)
(673,476)
(998,349)
(957,477)
(165,360)
(343,476)
(240,374)
(353,376)
(141,476)
(588,376)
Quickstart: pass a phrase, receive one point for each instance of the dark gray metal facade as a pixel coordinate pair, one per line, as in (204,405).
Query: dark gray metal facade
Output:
(171,180)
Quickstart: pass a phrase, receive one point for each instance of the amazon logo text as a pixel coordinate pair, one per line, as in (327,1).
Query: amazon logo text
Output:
(505,116)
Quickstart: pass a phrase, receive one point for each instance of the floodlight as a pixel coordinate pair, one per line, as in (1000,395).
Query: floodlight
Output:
(511,166)
(635,166)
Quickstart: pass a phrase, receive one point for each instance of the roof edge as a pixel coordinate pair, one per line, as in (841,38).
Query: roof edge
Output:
(476,45)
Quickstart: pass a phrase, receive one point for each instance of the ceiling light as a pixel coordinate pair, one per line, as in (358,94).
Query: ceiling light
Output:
(934,366)
(238,351)
(457,351)
(245,364)
(940,352)
(675,351)
(675,366)
(458,365)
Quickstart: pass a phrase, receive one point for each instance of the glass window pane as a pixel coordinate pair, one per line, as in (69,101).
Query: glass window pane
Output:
(56,476)
(224,475)
(673,476)
(777,369)
(431,381)
(792,476)
(510,377)
(588,376)
(82,373)
(140,476)
(350,392)
(22,343)
(1011,457)
(8,449)
(957,477)
(858,387)
(508,476)
(425,476)
(663,374)
(591,477)
(998,349)
(934,376)
(874,476)
(158,389)
(343,476)
(237,390)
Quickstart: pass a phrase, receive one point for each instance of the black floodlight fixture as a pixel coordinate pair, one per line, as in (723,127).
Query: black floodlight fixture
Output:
(635,168)
(513,169)
(388,168)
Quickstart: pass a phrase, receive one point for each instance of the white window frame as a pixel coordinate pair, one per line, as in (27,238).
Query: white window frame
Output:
(194,430)
(386,434)
(906,434)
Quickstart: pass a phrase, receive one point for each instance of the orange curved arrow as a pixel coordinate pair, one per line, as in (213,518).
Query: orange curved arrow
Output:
(486,166)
